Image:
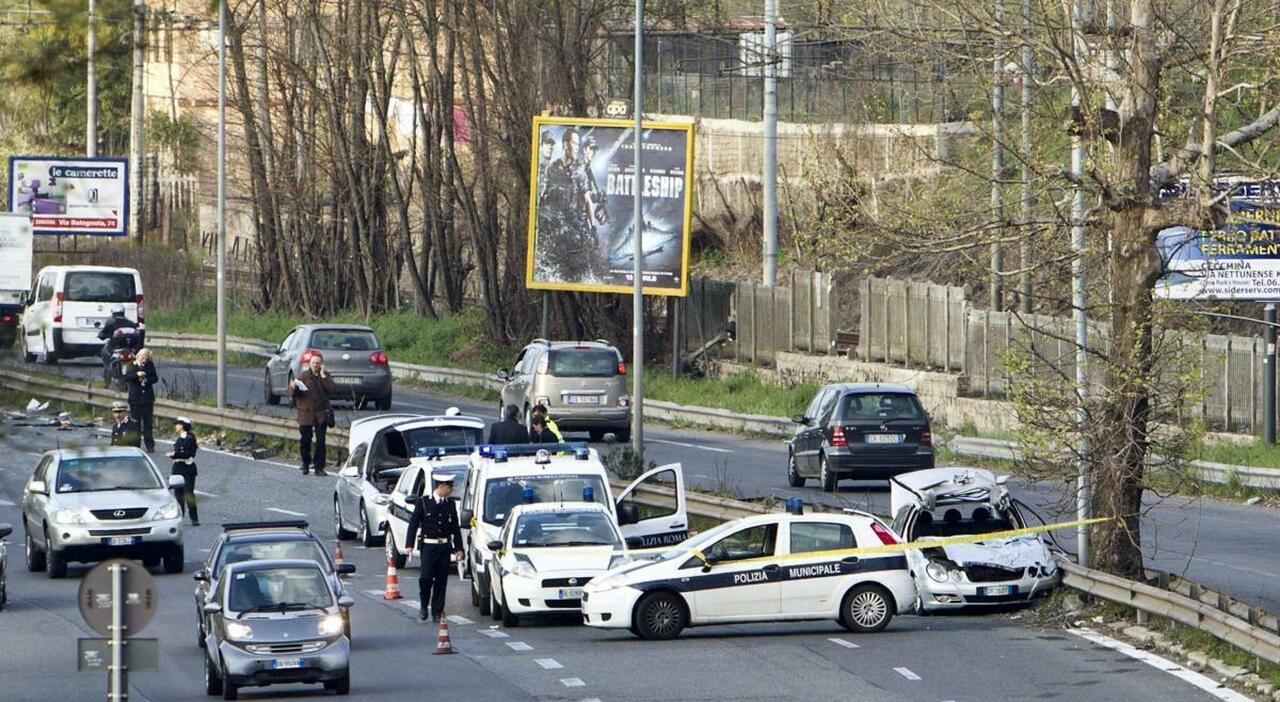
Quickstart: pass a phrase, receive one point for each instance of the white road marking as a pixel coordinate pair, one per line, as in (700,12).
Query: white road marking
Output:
(6,503)
(374,593)
(289,512)
(202,493)
(1203,682)
(548,663)
(687,445)
(455,619)
(493,633)
(203,550)
(412,604)
(572,682)
(842,642)
(906,673)
(519,646)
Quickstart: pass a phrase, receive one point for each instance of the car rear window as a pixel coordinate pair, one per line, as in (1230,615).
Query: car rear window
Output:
(422,440)
(271,550)
(344,339)
(872,406)
(583,363)
(94,286)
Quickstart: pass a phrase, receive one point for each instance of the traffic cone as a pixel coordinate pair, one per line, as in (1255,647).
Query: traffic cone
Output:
(337,552)
(443,644)
(393,581)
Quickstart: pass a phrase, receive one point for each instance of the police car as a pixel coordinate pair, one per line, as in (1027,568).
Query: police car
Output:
(766,568)
(546,553)
(418,480)
(502,477)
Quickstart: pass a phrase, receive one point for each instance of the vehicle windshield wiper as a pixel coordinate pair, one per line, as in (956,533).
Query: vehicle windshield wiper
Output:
(581,543)
(279,607)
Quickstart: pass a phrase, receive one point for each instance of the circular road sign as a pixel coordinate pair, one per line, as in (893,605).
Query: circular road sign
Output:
(141,597)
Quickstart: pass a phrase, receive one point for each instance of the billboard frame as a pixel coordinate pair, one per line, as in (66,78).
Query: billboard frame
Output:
(124,209)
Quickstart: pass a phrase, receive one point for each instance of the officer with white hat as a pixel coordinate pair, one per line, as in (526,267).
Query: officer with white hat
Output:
(434,525)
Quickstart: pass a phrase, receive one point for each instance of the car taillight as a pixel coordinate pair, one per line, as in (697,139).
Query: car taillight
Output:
(141,314)
(126,356)
(57,307)
(926,437)
(622,369)
(378,358)
(837,437)
(886,537)
(7,318)
(307,355)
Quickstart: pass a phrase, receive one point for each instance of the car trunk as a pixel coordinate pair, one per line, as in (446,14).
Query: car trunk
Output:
(882,426)
(348,353)
(585,377)
(87,299)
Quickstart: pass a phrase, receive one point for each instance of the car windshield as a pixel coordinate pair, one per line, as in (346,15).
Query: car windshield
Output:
(583,363)
(294,550)
(94,286)
(879,407)
(107,473)
(502,494)
(565,529)
(344,340)
(960,520)
(278,589)
(422,440)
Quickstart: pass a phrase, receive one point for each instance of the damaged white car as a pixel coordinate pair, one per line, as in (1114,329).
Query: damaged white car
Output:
(946,502)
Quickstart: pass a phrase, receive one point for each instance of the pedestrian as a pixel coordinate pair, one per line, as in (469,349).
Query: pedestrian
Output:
(538,431)
(184,464)
(142,379)
(434,523)
(310,392)
(509,430)
(540,410)
(125,431)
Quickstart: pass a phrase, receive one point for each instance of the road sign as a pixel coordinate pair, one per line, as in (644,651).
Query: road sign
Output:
(95,654)
(140,597)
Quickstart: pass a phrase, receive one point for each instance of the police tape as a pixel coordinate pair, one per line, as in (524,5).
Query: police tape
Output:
(900,547)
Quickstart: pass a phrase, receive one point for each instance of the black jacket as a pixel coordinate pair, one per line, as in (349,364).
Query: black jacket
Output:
(436,520)
(127,433)
(508,432)
(545,436)
(116,323)
(184,449)
(142,391)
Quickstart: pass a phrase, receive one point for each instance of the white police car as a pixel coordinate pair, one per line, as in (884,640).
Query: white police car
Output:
(546,553)
(767,568)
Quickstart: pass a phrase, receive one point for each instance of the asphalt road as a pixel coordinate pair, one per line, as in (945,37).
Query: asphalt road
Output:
(996,657)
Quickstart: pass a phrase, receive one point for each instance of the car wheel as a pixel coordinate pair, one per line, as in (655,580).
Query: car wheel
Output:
(623,436)
(866,609)
(36,562)
(495,607)
(4,591)
(56,564)
(174,560)
(483,603)
(338,529)
(267,395)
(27,356)
(229,691)
(366,534)
(510,619)
(201,643)
(661,615)
(825,476)
(794,479)
(151,560)
(212,682)
(51,354)
(393,553)
(342,685)
(384,402)
(475,598)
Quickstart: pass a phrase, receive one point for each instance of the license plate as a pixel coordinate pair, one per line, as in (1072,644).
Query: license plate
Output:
(345,380)
(997,590)
(582,399)
(90,321)
(286,663)
(122,540)
(884,438)
(571,593)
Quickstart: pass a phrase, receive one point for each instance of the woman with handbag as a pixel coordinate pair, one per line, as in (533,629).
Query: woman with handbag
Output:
(311,391)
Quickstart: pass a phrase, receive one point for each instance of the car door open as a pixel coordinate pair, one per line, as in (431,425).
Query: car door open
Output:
(657,515)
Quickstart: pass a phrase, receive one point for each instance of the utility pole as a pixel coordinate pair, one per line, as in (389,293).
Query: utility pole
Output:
(1269,375)
(137,133)
(637,268)
(91,88)
(997,164)
(222,205)
(1078,297)
(1028,201)
(770,178)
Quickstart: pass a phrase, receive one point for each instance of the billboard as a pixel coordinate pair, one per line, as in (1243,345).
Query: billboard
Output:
(1239,261)
(581,223)
(16,248)
(87,196)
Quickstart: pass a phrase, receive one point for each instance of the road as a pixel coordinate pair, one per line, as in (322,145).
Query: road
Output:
(996,657)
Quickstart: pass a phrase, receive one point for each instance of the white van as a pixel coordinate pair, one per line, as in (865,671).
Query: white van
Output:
(68,305)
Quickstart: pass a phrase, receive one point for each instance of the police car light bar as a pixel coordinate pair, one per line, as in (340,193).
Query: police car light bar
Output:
(578,449)
(442,451)
(282,524)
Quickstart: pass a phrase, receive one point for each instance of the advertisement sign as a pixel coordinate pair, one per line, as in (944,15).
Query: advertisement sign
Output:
(1240,261)
(581,224)
(87,196)
(16,246)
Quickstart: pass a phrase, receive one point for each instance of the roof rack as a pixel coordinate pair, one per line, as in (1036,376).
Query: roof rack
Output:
(281,524)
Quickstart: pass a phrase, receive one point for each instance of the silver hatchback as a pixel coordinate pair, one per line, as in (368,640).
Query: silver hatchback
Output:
(352,354)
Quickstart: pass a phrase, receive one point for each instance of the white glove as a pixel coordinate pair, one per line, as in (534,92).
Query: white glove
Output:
(300,385)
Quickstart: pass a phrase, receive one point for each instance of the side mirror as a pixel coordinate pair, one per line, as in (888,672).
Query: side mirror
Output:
(37,487)
(800,419)
(212,607)
(415,499)
(200,576)
(177,482)
(466,517)
(349,472)
(494,546)
(635,542)
(346,601)
(346,568)
(628,513)
(5,530)
(503,374)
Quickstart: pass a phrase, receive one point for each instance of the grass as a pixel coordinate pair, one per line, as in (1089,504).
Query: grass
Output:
(1258,453)
(744,393)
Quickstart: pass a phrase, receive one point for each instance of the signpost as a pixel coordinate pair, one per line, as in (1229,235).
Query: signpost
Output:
(117,599)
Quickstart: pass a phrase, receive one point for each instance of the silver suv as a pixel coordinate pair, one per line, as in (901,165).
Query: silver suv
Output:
(583,384)
(90,504)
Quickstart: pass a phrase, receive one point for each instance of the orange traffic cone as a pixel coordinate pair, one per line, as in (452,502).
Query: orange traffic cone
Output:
(337,552)
(393,581)
(443,644)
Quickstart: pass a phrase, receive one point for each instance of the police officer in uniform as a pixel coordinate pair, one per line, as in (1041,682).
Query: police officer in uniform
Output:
(125,431)
(438,520)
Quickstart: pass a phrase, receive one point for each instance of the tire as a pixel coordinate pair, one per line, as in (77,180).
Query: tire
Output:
(365,533)
(509,619)
(866,609)
(596,435)
(483,604)
(57,565)
(397,559)
(475,599)
(51,355)
(27,356)
(36,562)
(825,476)
(495,607)
(4,591)
(201,643)
(342,685)
(384,402)
(623,437)
(212,681)
(267,395)
(338,529)
(661,616)
(174,560)
(794,479)
(229,691)
(151,560)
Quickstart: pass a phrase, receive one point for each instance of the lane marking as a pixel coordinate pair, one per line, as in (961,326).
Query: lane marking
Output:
(6,503)
(202,493)
(519,646)
(572,682)
(493,633)
(1203,682)
(682,444)
(289,512)
(842,642)
(906,673)
(548,663)
(455,619)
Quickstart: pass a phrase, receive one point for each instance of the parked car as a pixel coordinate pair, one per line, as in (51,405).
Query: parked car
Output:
(861,432)
(945,502)
(274,622)
(582,383)
(91,504)
(5,530)
(68,306)
(352,354)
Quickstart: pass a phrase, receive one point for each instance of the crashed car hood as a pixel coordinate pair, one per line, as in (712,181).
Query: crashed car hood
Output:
(1014,553)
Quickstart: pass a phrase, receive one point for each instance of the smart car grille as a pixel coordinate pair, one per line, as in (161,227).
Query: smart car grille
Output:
(992,573)
(564,604)
(137,531)
(564,582)
(126,513)
(286,647)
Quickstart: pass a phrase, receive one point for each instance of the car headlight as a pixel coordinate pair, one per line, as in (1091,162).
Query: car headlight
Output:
(936,572)
(67,516)
(619,560)
(239,632)
(381,499)
(523,570)
(331,625)
(169,511)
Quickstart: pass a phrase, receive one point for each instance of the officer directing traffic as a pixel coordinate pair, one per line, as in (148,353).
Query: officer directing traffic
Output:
(438,519)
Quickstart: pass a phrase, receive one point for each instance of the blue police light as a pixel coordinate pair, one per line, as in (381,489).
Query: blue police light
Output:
(528,495)
(581,453)
(795,505)
(486,451)
(500,455)
(588,494)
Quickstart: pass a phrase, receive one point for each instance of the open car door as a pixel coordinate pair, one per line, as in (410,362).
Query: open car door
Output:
(652,511)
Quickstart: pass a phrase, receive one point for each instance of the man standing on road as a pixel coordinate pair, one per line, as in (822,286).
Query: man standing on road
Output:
(310,392)
(125,431)
(509,430)
(438,520)
(142,379)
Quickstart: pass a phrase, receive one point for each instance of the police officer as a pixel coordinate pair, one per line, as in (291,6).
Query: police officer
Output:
(540,410)
(184,464)
(438,520)
(125,431)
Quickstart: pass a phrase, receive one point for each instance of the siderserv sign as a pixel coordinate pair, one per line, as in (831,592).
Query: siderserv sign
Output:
(88,196)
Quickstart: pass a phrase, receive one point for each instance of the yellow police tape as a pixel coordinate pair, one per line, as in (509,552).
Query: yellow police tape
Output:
(902,547)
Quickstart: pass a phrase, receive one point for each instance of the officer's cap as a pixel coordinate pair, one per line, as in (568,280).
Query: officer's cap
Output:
(119,406)
(184,421)
(443,477)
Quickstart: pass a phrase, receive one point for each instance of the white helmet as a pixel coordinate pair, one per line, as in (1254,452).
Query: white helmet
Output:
(452,412)
(117,310)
